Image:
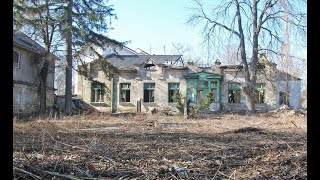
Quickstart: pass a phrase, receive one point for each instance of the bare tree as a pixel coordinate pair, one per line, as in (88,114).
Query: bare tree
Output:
(256,25)
(186,51)
(180,48)
(229,54)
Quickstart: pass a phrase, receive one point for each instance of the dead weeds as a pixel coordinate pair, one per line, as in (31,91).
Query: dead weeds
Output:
(221,146)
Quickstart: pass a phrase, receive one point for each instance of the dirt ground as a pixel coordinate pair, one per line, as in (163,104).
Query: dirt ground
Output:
(218,146)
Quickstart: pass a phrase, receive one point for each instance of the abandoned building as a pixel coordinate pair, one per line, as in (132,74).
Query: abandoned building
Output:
(152,80)
(26,74)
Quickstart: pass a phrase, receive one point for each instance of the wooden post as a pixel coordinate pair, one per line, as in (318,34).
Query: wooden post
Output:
(185,113)
(139,106)
(112,91)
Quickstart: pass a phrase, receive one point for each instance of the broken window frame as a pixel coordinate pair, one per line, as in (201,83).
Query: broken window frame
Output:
(283,98)
(125,89)
(191,90)
(202,90)
(214,91)
(148,92)
(97,92)
(197,89)
(150,67)
(260,92)
(16,61)
(234,89)
(191,94)
(173,88)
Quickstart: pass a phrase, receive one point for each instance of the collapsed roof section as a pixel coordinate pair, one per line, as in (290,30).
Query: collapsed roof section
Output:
(283,76)
(126,62)
(130,63)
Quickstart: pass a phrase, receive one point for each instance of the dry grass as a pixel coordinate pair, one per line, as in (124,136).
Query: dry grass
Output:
(219,146)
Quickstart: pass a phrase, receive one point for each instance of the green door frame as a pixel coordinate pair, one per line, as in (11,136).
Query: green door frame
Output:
(193,79)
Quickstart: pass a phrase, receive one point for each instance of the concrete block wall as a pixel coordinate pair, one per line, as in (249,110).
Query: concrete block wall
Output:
(26,98)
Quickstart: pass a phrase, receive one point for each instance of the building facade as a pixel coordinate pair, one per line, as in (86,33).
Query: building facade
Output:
(154,79)
(26,74)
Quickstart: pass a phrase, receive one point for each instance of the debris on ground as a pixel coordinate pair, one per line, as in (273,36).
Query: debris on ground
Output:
(101,146)
(286,110)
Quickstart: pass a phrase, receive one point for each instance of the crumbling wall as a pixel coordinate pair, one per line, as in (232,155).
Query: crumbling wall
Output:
(162,76)
(26,80)
(26,99)
(294,93)
(229,76)
(157,76)
(266,76)
(84,88)
(161,88)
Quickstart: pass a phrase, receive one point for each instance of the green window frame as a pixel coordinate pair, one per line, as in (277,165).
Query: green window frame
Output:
(196,90)
(125,92)
(97,92)
(202,90)
(173,88)
(148,92)
(234,92)
(214,91)
(260,92)
(191,90)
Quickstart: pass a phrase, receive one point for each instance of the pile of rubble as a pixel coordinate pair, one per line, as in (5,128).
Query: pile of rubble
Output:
(170,111)
(288,111)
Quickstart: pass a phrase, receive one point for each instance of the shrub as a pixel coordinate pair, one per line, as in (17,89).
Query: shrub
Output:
(206,104)
(191,111)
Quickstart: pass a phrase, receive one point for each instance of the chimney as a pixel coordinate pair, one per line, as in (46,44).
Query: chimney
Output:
(190,63)
(217,62)
(263,54)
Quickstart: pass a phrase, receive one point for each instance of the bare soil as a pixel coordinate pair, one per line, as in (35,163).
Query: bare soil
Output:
(217,146)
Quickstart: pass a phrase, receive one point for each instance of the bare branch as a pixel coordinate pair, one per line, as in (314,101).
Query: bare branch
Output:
(215,23)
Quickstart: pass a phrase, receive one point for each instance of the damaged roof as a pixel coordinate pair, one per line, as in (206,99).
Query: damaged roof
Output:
(25,41)
(284,75)
(128,61)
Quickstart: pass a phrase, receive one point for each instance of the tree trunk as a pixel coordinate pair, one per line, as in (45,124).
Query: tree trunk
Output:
(247,89)
(43,86)
(68,91)
(249,95)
